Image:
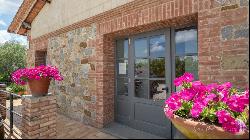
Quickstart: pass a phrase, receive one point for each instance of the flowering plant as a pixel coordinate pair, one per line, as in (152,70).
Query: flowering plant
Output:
(21,76)
(213,103)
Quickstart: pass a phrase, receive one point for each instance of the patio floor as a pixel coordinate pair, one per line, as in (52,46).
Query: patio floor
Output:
(66,127)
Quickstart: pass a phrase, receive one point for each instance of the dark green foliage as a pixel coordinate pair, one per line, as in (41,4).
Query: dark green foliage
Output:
(12,57)
(185,109)
(14,88)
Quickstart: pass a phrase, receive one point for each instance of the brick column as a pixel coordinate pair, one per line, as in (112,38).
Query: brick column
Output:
(3,101)
(39,117)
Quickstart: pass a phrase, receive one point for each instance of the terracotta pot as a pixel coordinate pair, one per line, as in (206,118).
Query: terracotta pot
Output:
(200,130)
(39,87)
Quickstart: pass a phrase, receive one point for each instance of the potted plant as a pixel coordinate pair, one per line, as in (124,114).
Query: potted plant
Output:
(208,111)
(38,78)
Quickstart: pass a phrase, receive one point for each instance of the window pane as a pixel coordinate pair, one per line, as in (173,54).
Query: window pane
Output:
(157,68)
(186,64)
(157,46)
(141,88)
(122,49)
(141,47)
(122,68)
(186,52)
(186,42)
(141,68)
(157,91)
(122,86)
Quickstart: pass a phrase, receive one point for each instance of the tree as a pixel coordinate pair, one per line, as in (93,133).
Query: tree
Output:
(12,57)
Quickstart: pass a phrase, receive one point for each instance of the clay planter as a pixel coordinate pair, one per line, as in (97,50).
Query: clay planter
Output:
(200,130)
(39,87)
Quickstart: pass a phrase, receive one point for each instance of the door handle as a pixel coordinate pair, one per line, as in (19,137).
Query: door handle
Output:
(166,88)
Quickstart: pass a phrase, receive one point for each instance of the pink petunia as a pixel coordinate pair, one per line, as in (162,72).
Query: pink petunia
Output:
(185,78)
(224,116)
(237,103)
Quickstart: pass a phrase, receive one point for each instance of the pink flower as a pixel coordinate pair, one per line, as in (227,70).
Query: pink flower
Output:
(198,107)
(197,96)
(228,122)
(187,94)
(224,95)
(209,97)
(225,86)
(196,110)
(211,87)
(237,103)
(185,78)
(224,116)
(197,86)
(22,75)
(168,112)
(232,126)
(173,102)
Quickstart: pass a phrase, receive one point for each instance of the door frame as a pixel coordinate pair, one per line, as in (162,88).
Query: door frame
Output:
(169,66)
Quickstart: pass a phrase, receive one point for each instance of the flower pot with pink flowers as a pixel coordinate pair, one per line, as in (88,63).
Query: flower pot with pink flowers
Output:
(38,78)
(213,111)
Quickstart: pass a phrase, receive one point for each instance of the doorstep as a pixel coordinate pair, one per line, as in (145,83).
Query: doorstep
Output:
(126,132)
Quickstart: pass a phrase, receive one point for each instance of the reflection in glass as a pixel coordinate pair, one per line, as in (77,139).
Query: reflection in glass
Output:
(157,68)
(122,68)
(157,91)
(186,42)
(186,64)
(122,86)
(157,46)
(186,51)
(141,47)
(122,49)
(141,88)
(141,68)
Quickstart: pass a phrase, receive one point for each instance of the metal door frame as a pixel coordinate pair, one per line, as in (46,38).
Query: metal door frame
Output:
(131,57)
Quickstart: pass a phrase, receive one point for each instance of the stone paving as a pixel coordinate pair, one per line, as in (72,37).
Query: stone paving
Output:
(70,129)
(66,127)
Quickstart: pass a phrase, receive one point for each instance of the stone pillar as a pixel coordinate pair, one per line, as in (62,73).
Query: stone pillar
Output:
(3,97)
(39,117)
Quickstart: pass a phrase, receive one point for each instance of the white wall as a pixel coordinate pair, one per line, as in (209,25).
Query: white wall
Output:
(60,13)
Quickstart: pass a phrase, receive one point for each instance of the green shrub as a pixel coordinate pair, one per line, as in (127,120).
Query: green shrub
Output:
(15,88)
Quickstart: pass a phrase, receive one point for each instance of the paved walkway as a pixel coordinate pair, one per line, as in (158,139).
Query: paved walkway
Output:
(70,129)
(66,127)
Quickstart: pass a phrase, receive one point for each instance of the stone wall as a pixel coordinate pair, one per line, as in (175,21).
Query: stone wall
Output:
(223,33)
(71,52)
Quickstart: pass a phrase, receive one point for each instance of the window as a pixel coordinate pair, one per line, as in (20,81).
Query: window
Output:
(122,67)
(40,58)
(186,50)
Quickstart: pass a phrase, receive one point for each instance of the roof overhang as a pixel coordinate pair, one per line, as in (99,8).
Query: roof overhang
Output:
(26,13)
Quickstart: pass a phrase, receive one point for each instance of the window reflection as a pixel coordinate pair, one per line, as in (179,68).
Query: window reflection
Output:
(141,88)
(157,46)
(157,68)
(122,48)
(141,68)
(186,42)
(122,84)
(186,51)
(186,64)
(157,91)
(141,47)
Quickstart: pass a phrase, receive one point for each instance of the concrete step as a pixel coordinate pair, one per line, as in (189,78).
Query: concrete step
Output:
(126,132)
